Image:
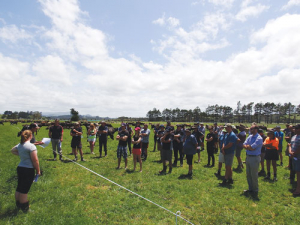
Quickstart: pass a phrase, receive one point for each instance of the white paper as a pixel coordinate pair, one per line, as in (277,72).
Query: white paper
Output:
(46,142)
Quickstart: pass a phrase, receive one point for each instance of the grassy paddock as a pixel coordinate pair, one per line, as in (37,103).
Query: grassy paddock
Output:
(68,194)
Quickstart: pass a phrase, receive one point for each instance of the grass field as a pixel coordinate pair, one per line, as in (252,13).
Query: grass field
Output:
(69,194)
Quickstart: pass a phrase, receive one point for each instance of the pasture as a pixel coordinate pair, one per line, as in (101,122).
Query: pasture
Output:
(69,194)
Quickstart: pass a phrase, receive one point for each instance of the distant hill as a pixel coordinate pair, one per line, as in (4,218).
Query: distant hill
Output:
(66,116)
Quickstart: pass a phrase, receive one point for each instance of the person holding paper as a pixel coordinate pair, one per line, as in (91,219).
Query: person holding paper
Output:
(56,134)
(29,162)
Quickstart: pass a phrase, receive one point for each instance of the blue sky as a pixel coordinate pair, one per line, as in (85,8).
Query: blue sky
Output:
(123,58)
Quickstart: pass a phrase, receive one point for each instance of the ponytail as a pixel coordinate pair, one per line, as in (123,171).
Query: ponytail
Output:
(25,136)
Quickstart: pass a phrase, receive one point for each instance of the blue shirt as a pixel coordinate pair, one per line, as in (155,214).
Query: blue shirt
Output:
(256,142)
(189,146)
(221,140)
(280,135)
(201,129)
(230,138)
(295,144)
(145,139)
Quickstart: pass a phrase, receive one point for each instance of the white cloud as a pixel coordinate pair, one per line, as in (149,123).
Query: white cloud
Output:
(160,21)
(290,4)
(247,11)
(11,33)
(225,3)
(53,69)
(173,22)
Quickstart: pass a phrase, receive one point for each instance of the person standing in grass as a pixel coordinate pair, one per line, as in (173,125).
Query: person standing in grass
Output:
(122,146)
(178,145)
(190,149)
(130,133)
(221,155)
(198,136)
(280,138)
(103,131)
(271,144)
(262,172)
(136,148)
(76,133)
(156,129)
(92,137)
(210,146)
(201,129)
(289,133)
(166,140)
(160,133)
(216,130)
(56,135)
(294,150)
(145,132)
(253,146)
(228,152)
(34,127)
(239,146)
(29,162)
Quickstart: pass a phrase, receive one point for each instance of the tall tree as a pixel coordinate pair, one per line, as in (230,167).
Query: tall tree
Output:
(75,115)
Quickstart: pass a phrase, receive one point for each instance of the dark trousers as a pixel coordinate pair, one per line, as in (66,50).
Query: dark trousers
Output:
(104,143)
(210,153)
(155,140)
(292,171)
(178,148)
(129,144)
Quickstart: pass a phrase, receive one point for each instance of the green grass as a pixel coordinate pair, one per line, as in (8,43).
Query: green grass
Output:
(69,194)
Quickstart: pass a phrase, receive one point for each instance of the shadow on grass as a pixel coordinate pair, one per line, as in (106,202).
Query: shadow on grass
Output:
(157,161)
(228,186)
(237,170)
(185,177)
(9,214)
(130,171)
(251,196)
(219,176)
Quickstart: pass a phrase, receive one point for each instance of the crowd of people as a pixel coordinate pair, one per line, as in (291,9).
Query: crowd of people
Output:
(182,142)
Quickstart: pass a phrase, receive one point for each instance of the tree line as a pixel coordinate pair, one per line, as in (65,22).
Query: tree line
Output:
(35,115)
(268,112)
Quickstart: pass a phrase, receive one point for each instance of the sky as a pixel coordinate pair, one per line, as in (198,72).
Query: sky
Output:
(124,58)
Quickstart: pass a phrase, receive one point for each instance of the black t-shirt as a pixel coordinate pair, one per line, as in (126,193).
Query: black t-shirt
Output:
(167,146)
(103,136)
(197,135)
(210,143)
(122,134)
(56,131)
(78,137)
(32,141)
(136,138)
(181,133)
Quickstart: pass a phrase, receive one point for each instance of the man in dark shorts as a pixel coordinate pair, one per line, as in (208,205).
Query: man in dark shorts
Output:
(178,145)
(228,152)
(103,131)
(198,135)
(189,149)
(76,133)
(56,134)
(122,146)
(167,150)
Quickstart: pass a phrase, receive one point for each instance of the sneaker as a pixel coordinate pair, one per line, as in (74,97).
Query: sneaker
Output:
(162,172)
(275,178)
(181,165)
(54,159)
(281,164)
(93,153)
(170,170)
(82,160)
(218,173)
(261,173)
(75,159)
(267,177)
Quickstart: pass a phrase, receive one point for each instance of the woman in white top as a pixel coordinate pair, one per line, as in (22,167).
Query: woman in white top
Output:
(92,137)
(29,162)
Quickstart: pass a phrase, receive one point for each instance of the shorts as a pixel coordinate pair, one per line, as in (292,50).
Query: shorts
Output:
(189,159)
(122,151)
(296,164)
(280,148)
(221,158)
(238,151)
(25,179)
(76,144)
(137,151)
(91,139)
(228,159)
(167,155)
(145,145)
(262,157)
(272,154)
